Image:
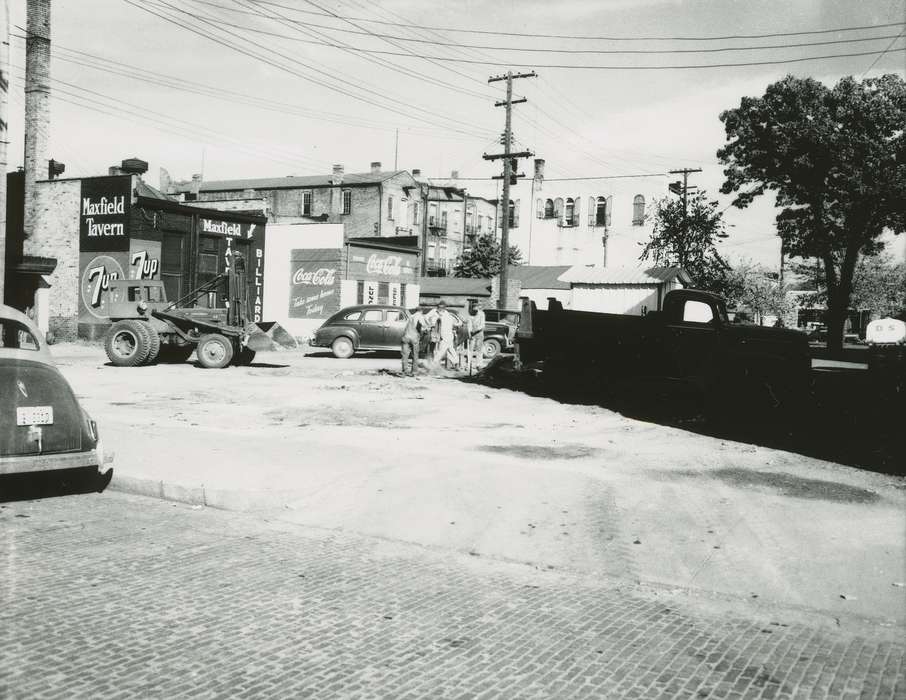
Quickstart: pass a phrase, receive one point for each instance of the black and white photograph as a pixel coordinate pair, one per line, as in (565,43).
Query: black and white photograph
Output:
(464,350)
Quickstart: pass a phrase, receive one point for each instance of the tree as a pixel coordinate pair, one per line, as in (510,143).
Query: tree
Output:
(750,286)
(879,286)
(836,159)
(483,258)
(686,237)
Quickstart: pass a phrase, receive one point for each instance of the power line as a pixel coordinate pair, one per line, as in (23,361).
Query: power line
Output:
(878,58)
(561,179)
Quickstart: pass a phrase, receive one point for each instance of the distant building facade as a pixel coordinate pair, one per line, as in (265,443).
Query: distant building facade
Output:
(454,219)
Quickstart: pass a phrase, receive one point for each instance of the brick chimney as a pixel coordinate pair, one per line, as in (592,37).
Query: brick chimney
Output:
(376,167)
(539,169)
(37,106)
(416,173)
(337,178)
(454,174)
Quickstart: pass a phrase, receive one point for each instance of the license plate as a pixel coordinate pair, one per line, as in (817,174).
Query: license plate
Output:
(34,415)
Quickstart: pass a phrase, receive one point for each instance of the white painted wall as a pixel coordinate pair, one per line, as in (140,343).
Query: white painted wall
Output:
(280,240)
(618,299)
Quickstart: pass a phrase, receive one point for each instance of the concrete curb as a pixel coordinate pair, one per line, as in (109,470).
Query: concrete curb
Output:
(222,499)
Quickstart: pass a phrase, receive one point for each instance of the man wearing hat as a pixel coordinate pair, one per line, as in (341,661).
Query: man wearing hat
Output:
(475,321)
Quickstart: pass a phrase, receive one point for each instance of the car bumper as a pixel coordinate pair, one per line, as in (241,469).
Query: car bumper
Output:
(23,464)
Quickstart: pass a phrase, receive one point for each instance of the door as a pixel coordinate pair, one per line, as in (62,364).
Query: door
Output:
(394,327)
(173,265)
(692,341)
(211,262)
(371,328)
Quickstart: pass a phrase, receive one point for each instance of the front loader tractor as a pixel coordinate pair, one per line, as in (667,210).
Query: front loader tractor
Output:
(147,328)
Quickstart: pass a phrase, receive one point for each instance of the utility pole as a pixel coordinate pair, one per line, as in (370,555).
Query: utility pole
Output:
(683,190)
(509,177)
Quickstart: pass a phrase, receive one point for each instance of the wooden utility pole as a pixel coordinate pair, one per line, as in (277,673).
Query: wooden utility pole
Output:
(510,166)
(683,190)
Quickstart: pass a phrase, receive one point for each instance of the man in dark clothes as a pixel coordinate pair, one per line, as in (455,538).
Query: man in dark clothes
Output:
(409,343)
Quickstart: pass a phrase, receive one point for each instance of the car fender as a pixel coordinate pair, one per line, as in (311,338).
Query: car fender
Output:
(326,336)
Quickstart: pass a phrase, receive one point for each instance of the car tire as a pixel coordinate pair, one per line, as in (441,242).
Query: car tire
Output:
(153,346)
(342,348)
(214,351)
(127,343)
(244,357)
(491,348)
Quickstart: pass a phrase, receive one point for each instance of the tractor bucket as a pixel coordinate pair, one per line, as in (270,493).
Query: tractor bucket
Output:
(266,335)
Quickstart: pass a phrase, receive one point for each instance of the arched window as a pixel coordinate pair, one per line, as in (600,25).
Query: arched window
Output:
(514,214)
(600,211)
(569,213)
(638,210)
(558,208)
(539,208)
(549,209)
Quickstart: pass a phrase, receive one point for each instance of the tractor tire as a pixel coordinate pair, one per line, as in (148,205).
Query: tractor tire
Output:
(491,348)
(175,354)
(342,348)
(244,357)
(214,351)
(127,343)
(153,346)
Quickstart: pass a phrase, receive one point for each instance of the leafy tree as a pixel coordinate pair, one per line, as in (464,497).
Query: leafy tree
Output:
(483,258)
(836,159)
(753,287)
(688,239)
(879,286)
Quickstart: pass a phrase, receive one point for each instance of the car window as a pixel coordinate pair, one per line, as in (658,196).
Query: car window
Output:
(15,335)
(373,315)
(354,316)
(135,293)
(396,316)
(697,312)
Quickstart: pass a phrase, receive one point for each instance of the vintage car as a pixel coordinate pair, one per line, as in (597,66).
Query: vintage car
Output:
(42,425)
(380,327)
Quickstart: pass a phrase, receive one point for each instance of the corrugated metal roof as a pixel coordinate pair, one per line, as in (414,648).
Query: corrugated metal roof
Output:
(290,181)
(539,276)
(580,274)
(455,286)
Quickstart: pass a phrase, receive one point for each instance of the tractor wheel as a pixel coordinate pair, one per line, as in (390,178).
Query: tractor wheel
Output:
(127,343)
(175,354)
(342,348)
(214,351)
(153,346)
(491,348)
(244,357)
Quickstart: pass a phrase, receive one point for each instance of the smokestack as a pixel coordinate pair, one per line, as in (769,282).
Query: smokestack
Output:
(376,167)
(4,90)
(539,169)
(37,103)
(338,174)
(196,184)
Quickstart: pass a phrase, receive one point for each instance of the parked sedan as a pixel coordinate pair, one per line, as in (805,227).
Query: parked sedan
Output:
(42,425)
(380,327)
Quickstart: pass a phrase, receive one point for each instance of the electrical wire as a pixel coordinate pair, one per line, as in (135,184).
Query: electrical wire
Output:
(878,58)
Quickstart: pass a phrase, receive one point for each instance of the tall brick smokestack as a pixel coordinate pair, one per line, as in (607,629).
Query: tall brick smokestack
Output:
(37,104)
(4,135)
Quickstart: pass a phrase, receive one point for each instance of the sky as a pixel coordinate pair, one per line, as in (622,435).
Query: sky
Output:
(248,88)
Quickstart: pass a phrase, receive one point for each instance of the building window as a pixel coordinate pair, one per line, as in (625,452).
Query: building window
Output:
(431,251)
(415,214)
(601,212)
(548,208)
(390,207)
(558,208)
(569,214)
(347,201)
(306,204)
(514,214)
(638,210)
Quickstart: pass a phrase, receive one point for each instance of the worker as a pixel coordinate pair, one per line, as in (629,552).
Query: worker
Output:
(475,322)
(446,344)
(410,343)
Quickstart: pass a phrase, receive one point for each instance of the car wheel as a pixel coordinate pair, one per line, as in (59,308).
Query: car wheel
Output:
(342,348)
(127,343)
(244,357)
(491,348)
(214,351)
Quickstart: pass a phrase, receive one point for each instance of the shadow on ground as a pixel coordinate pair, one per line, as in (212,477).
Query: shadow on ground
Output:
(49,484)
(850,416)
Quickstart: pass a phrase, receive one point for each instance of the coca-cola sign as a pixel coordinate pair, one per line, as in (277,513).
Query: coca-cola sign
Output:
(384,265)
(320,277)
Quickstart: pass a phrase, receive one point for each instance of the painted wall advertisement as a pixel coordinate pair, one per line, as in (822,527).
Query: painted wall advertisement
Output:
(382,266)
(104,207)
(249,241)
(314,286)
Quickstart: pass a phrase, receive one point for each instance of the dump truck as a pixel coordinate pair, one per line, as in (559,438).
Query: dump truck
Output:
(690,340)
(147,328)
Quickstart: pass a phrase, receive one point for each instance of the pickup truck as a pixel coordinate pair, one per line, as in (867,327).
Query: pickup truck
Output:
(690,340)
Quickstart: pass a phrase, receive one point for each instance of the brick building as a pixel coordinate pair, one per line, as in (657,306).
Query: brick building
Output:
(454,219)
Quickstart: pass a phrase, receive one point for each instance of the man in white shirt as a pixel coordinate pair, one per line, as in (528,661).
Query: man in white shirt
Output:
(446,323)
(476,323)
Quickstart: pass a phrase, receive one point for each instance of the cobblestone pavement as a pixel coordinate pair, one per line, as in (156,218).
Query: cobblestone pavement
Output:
(118,596)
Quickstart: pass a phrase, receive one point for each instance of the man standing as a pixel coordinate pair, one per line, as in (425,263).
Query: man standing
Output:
(446,322)
(411,340)
(475,321)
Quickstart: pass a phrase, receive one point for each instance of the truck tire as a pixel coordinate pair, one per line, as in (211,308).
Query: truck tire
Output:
(490,348)
(342,348)
(244,357)
(153,346)
(214,351)
(127,343)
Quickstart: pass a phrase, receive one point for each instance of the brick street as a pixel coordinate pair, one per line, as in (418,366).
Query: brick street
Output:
(119,596)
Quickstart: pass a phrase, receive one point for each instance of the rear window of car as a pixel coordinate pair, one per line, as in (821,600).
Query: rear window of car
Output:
(353,316)
(373,315)
(396,316)
(16,336)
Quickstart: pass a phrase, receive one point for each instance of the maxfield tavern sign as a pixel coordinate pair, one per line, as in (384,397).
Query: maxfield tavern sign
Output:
(104,207)
(226,228)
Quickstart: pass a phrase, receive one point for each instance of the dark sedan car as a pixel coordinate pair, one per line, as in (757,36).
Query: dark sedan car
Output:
(42,425)
(380,327)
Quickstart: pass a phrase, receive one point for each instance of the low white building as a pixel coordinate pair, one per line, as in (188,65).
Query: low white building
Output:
(621,290)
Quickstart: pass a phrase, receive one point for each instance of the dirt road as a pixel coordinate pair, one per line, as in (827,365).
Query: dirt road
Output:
(450,465)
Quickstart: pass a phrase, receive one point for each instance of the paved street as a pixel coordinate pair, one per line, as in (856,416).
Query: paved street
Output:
(119,596)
